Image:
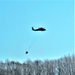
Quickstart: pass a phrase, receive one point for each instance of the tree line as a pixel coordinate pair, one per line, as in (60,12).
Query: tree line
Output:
(62,66)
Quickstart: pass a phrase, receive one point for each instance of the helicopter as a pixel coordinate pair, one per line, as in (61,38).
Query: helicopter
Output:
(39,29)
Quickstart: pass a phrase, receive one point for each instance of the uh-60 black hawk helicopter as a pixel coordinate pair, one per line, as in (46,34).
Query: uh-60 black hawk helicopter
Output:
(38,29)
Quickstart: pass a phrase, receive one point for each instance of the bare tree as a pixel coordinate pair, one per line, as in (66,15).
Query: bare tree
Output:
(29,67)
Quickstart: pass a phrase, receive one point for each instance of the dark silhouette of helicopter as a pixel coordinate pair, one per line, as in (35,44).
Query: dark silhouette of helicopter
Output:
(39,29)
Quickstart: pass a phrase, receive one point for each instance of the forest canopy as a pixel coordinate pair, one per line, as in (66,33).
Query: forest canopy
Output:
(62,66)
